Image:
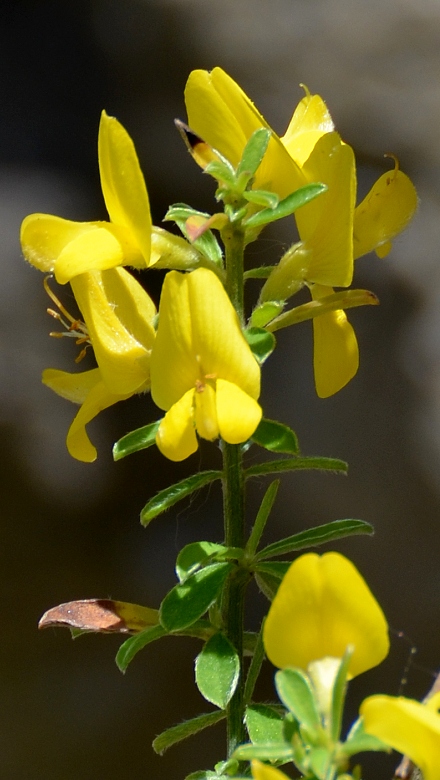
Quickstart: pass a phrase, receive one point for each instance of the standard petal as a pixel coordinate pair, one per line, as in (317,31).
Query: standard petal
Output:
(238,414)
(311,120)
(335,349)
(123,184)
(118,314)
(326,224)
(222,114)
(43,237)
(176,436)
(384,212)
(89,389)
(322,606)
(408,726)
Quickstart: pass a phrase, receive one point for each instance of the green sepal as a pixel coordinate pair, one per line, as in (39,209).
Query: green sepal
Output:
(276,437)
(261,518)
(265,724)
(188,601)
(286,206)
(171,495)
(266,312)
(197,554)
(253,153)
(296,692)
(279,752)
(131,646)
(345,299)
(262,198)
(217,670)
(136,440)
(296,464)
(184,730)
(261,343)
(312,537)
(359,742)
(262,272)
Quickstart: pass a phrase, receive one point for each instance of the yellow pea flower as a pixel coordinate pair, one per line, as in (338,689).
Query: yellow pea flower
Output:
(332,230)
(203,373)
(67,249)
(118,316)
(408,726)
(322,606)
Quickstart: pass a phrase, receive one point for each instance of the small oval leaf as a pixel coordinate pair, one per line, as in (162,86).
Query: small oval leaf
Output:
(171,495)
(296,692)
(184,730)
(188,601)
(276,437)
(265,724)
(217,670)
(136,440)
(131,647)
(286,206)
(261,343)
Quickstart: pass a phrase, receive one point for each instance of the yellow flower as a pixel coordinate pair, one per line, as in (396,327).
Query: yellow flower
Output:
(66,248)
(203,372)
(322,606)
(332,231)
(263,772)
(408,726)
(118,316)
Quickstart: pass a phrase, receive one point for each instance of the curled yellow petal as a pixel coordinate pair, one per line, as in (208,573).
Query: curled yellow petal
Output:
(238,414)
(43,237)
(88,389)
(408,726)
(384,212)
(335,349)
(311,120)
(123,184)
(322,606)
(176,436)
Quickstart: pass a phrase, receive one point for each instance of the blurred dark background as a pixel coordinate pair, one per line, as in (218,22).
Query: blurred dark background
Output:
(71,530)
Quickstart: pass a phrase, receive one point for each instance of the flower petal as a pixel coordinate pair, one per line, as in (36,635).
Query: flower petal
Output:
(326,224)
(118,314)
(238,414)
(176,436)
(264,772)
(43,237)
(123,184)
(88,388)
(335,349)
(199,337)
(205,412)
(383,213)
(322,606)
(222,114)
(408,726)
(311,120)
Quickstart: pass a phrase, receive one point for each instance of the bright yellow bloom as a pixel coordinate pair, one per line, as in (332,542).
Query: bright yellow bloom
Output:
(203,372)
(322,606)
(67,248)
(264,772)
(118,316)
(332,231)
(408,726)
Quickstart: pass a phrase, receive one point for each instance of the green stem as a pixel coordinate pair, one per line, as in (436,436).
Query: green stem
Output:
(233,239)
(233,600)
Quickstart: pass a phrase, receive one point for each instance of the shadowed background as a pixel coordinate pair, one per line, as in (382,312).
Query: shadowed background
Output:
(71,530)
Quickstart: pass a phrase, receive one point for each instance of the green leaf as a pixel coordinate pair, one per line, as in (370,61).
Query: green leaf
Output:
(312,537)
(266,312)
(346,299)
(276,437)
(207,243)
(261,519)
(136,440)
(217,670)
(223,172)
(265,724)
(296,692)
(131,647)
(188,601)
(176,734)
(259,273)
(171,495)
(286,206)
(359,742)
(261,343)
(320,760)
(267,584)
(194,556)
(338,695)
(262,198)
(274,752)
(254,152)
(294,464)
(254,667)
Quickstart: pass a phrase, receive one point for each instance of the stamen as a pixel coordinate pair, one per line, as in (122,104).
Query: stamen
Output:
(74,328)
